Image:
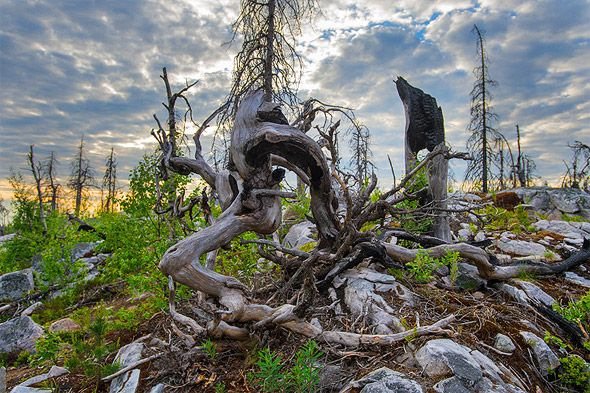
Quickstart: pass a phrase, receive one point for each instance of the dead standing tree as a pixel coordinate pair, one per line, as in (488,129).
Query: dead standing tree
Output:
(81,177)
(36,170)
(425,130)
(482,133)
(52,185)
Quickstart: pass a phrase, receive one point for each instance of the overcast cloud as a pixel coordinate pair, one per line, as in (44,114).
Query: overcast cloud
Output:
(69,68)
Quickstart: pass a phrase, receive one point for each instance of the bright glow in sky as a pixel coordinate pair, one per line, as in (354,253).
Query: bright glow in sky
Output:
(79,67)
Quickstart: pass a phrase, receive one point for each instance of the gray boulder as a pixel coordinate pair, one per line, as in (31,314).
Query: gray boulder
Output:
(159,388)
(466,370)
(299,235)
(444,357)
(535,293)
(54,372)
(6,238)
(129,381)
(545,357)
(83,250)
(28,389)
(2,379)
(19,334)
(518,295)
(577,279)
(385,380)
(504,343)
(570,230)
(468,277)
(520,247)
(15,285)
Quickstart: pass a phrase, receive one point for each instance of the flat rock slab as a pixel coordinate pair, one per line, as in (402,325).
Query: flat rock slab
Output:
(15,285)
(535,293)
(577,279)
(385,380)
(82,250)
(571,230)
(53,372)
(19,334)
(6,238)
(466,370)
(520,247)
(129,381)
(545,357)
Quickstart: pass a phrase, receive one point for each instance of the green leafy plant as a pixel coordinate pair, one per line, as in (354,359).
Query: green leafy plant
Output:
(273,375)
(575,373)
(423,266)
(210,349)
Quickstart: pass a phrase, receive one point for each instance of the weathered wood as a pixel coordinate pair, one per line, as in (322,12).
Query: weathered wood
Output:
(425,130)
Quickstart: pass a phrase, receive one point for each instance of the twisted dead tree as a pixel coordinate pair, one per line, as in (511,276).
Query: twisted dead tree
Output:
(36,170)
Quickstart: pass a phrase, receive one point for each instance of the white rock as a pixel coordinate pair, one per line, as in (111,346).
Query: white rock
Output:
(53,372)
(480,237)
(128,382)
(520,247)
(384,380)
(576,279)
(536,293)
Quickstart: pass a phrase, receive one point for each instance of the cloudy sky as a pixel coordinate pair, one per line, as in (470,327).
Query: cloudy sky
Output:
(72,68)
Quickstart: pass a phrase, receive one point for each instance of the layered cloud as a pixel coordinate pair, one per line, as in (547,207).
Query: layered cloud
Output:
(77,68)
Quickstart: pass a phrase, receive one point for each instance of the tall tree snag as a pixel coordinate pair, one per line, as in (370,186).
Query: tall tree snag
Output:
(37,177)
(425,130)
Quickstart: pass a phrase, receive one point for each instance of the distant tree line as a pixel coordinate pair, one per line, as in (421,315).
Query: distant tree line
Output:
(43,193)
(494,166)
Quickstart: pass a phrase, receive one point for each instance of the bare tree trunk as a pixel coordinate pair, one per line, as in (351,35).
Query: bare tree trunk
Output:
(484,109)
(36,171)
(270,36)
(53,186)
(438,171)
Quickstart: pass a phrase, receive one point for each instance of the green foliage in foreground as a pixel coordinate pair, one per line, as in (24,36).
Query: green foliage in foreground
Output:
(576,311)
(500,219)
(274,375)
(575,373)
(423,266)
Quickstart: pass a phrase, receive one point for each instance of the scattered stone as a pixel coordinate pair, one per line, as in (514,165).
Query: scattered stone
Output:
(468,277)
(53,372)
(464,233)
(83,250)
(520,247)
(2,379)
(19,334)
(128,382)
(384,380)
(444,357)
(5,238)
(517,294)
(576,279)
(31,309)
(571,230)
(28,389)
(15,285)
(504,343)
(535,293)
(330,378)
(478,295)
(159,388)
(545,357)
(299,235)
(480,236)
(64,325)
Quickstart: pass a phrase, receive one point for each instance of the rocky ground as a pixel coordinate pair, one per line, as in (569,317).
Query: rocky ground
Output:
(499,337)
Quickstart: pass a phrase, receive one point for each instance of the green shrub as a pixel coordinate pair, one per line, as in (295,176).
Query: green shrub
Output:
(423,266)
(575,373)
(273,375)
(210,349)
(500,219)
